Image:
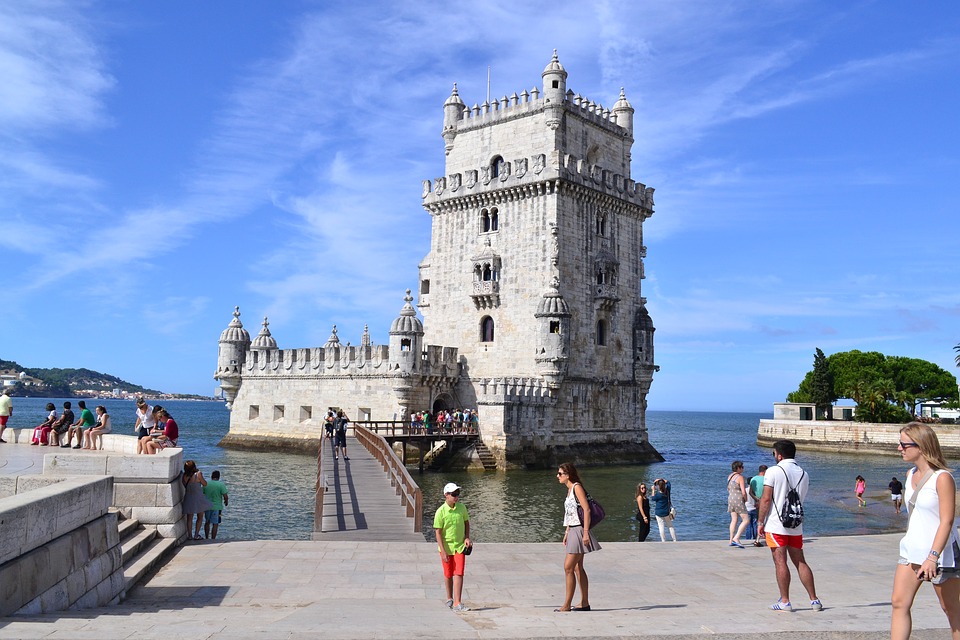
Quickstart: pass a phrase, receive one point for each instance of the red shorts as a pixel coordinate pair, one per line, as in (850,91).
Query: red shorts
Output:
(454,565)
(775,540)
(3,420)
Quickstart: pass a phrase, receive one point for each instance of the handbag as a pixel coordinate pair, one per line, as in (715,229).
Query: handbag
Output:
(597,514)
(673,513)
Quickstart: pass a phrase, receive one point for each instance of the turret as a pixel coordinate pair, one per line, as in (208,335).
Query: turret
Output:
(264,339)
(452,113)
(554,91)
(643,342)
(553,335)
(406,337)
(623,113)
(234,343)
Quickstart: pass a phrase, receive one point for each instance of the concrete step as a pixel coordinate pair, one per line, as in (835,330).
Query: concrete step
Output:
(127,528)
(141,565)
(134,543)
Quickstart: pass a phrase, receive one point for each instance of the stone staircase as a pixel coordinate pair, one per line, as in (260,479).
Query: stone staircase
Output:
(142,551)
(489,462)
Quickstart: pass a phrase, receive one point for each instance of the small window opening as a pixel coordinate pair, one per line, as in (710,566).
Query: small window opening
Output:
(486,329)
(254,412)
(278,412)
(556,84)
(306,413)
(602,332)
(496,166)
(494,219)
(405,344)
(424,286)
(555,326)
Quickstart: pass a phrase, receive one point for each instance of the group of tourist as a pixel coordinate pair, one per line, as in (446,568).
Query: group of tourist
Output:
(335,424)
(663,510)
(929,552)
(203,502)
(456,421)
(88,429)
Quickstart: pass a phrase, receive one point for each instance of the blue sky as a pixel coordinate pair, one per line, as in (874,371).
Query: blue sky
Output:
(163,162)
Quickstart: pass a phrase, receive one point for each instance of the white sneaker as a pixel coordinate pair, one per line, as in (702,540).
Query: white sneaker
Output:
(461,607)
(816,605)
(449,603)
(780,605)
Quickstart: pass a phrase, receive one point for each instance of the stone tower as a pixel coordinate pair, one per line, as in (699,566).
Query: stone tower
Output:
(234,343)
(535,270)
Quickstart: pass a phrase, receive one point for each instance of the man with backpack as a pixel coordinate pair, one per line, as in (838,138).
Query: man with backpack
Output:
(781,522)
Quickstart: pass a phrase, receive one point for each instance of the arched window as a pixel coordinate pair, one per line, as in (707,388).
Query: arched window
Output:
(484,221)
(602,332)
(486,329)
(495,165)
(404,344)
(601,223)
(494,219)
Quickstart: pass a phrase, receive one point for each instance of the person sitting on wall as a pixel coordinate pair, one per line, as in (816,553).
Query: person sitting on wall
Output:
(166,439)
(42,432)
(97,431)
(153,428)
(63,423)
(84,422)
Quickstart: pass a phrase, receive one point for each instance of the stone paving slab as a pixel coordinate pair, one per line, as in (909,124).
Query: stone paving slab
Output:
(301,589)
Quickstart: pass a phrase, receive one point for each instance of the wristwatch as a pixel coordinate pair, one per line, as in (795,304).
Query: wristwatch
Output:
(935,554)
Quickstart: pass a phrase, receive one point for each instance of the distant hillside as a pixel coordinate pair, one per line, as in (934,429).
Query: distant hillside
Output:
(66,383)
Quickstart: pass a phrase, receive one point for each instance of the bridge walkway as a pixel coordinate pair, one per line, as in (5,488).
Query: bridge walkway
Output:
(358,502)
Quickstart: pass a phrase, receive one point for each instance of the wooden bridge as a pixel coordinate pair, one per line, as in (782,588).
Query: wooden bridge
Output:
(371,495)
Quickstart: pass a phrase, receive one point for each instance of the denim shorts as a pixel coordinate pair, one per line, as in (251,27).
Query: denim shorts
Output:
(945,573)
(212,516)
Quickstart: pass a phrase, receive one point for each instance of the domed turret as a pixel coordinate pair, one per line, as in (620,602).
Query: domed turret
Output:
(553,321)
(264,340)
(623,112)
(452,114)
(234,343)
(406,335)
(554,91)
(333,342)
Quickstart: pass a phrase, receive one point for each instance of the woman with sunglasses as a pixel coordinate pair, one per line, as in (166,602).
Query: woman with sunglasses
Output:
(577,539)
(929,550)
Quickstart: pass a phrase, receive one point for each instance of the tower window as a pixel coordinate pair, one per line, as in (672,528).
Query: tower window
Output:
(601,332)
(601,223)
(486,329)
(556,84)
(555,326)
(405,344)
(424,287)
(495,166)
(489,220)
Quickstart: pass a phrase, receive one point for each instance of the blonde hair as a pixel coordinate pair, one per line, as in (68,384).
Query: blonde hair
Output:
(929,444)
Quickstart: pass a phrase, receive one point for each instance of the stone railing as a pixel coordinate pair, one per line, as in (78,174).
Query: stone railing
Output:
(843,436)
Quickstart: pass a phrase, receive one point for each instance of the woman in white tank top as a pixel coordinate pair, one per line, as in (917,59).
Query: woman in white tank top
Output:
(928,550)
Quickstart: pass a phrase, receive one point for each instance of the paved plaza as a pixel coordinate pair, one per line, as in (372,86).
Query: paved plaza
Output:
(310,589)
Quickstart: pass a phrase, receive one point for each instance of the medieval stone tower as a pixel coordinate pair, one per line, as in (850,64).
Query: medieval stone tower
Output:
(530,296)
(534,273)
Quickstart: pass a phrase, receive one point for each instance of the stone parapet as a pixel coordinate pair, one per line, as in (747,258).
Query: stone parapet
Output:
(61,548)
(162,467)
(849,437)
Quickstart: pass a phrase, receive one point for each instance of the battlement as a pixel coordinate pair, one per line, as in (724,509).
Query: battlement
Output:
(364,360)
(513,390)
(538,168)
(530,102)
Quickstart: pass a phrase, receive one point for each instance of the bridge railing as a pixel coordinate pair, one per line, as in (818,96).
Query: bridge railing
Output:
(409,491)
(320,487)
(393,428)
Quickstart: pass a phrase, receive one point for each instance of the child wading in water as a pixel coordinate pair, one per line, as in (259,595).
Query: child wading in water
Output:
(451,524)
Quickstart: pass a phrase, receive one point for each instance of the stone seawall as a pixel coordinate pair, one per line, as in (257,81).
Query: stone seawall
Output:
(849,437)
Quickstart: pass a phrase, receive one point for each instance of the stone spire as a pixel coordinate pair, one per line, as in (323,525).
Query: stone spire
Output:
(264,340)
(333,340)
(365,338)
(407,321)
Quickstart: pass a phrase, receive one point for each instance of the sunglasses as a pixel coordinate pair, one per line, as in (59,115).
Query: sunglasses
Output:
(456,494)
(907,445)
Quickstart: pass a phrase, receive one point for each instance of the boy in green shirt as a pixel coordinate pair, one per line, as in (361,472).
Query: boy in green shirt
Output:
(451,524)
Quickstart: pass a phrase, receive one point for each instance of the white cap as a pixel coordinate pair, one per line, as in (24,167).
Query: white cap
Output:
(450,487)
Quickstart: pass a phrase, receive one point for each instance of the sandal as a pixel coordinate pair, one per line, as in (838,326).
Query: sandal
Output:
(563,610)
(586,608)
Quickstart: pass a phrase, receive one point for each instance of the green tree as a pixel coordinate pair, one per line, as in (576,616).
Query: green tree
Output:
(885,388)
(821,385)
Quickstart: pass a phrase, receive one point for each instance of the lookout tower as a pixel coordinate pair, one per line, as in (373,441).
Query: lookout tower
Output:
(535,271)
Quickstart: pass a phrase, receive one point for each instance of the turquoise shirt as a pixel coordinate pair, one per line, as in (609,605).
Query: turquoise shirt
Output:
(452,526)
(214,492)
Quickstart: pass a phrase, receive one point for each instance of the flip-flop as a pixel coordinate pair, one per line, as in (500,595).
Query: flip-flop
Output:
(562,610)
(586,608)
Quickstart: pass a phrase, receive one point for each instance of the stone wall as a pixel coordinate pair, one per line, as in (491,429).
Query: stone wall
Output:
(61,547)
(849,437)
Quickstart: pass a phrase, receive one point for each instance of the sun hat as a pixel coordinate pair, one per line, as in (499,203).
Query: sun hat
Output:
(450,487)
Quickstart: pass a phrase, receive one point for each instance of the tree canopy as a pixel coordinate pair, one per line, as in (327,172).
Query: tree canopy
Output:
(885,388)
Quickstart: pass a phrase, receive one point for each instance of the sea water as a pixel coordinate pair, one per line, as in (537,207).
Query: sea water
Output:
(271,494)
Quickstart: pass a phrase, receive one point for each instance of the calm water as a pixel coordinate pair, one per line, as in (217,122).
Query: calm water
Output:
(271,494)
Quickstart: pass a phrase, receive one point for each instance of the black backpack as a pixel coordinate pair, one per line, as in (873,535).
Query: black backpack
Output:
(792,515)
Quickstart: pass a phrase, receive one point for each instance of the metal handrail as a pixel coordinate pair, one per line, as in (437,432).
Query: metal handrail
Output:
(409,491)
(393,428)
